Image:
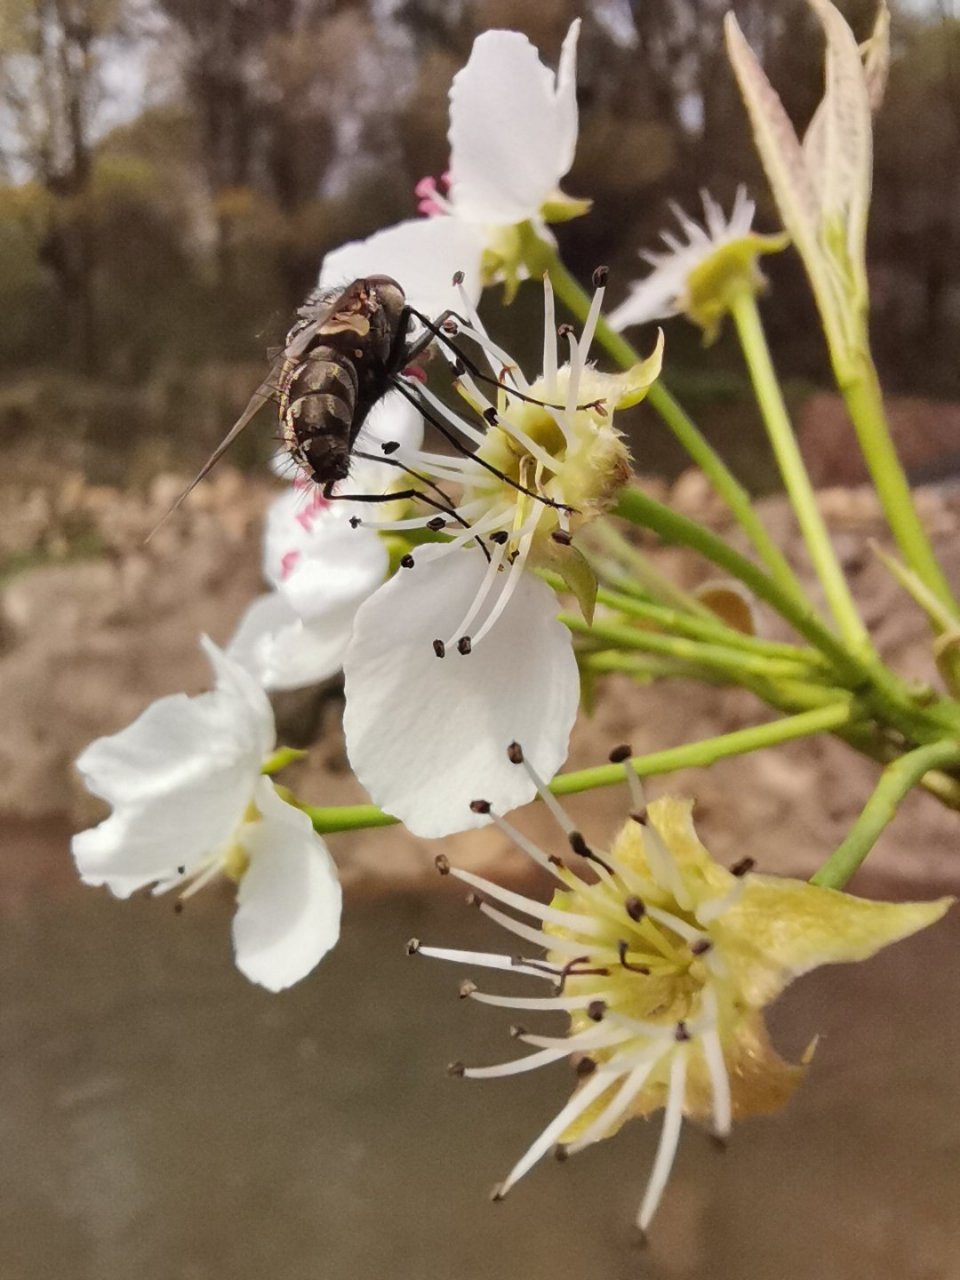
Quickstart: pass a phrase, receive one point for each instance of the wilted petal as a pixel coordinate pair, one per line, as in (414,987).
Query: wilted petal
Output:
(289,898)
(422,255)
(513,128)
(427,735)
(782,928)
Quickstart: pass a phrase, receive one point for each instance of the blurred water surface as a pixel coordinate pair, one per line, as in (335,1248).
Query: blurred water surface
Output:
(161,1119)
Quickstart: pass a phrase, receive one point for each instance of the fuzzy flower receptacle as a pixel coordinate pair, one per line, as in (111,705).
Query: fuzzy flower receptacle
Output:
(697,275)
(190,805)
(513,136)
(664,961)
(461,651)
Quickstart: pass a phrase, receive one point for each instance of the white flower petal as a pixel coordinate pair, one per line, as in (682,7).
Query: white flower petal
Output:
(289,898)
(336,573)
(392,418)
(422,255)
(427,735)
(513,127)
(283,651)
(179,780)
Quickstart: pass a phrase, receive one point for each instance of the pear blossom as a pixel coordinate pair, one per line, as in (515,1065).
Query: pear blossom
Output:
(822,184)
(190,804)
(695,274)
(513,135)
(663,961)
(461,650)
(321,563)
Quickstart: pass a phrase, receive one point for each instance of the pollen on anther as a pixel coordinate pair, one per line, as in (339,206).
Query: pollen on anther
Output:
(500,537)
(560,1153)
(701,946)
(515,753)
(596,1009)
(355,522)
(442,863)
(562,537)
(413,946)
(682,1033)
(517,1030)
(490,414)
(579,845)
(600,277)
(456,1068)
(467,988)
(436,524)
(585,1067)
(496,1194)
(621,753)
(635,908)
(458,277)
(564,329)
(439,648)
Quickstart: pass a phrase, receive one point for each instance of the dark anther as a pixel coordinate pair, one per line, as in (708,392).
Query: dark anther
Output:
(442,863)
(437,523)
(467,988)
(560,1153)
(390,446)
(458,277)
(640,817)
(181,870)
(479,806)
(701,946)
(407,561)
(681,1034)
(459,368)
(743,866)
(580,846)
(456,1069)
(600,277)
(517,1032)
(500,537)
(515,753)
(596,1009)
(464,645)
(585,1067)
(718,1142)
(621,753)
(413,946)
(490,414)
(622,948)
(564,329)
(635,908)
(562,537)
(496,1194)
(177,907)
(450,327)
(355,522)
(473,900)
(439,648)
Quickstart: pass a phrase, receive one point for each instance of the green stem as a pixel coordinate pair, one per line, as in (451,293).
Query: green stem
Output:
(642,572)
(864,401)
(895,781)
(347,817)
(700,450)
(746,315)
(700,754)
(721,657)
(281,758)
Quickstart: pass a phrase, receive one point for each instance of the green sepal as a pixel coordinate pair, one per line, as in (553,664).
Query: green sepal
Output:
(578,577)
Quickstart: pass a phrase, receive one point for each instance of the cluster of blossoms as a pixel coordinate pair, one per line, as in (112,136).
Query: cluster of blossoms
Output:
(438,614)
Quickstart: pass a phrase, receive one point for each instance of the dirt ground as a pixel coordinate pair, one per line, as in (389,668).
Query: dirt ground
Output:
(94,625)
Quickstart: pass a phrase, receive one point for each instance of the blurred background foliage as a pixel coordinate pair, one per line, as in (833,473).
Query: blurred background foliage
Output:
(173,171)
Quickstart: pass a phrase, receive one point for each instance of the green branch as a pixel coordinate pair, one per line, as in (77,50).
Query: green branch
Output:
(896,780)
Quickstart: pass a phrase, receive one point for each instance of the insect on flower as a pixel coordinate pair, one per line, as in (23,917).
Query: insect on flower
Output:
(340,358)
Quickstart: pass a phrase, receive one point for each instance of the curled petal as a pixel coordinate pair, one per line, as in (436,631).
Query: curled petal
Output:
(513,127)
(428,735)
(779,929)
(422,254)
(289,898)
(283,651)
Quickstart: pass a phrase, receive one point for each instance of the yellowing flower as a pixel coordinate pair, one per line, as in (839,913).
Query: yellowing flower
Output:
(664,961)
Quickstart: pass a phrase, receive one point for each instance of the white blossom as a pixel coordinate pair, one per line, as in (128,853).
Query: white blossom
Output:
(190,804)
